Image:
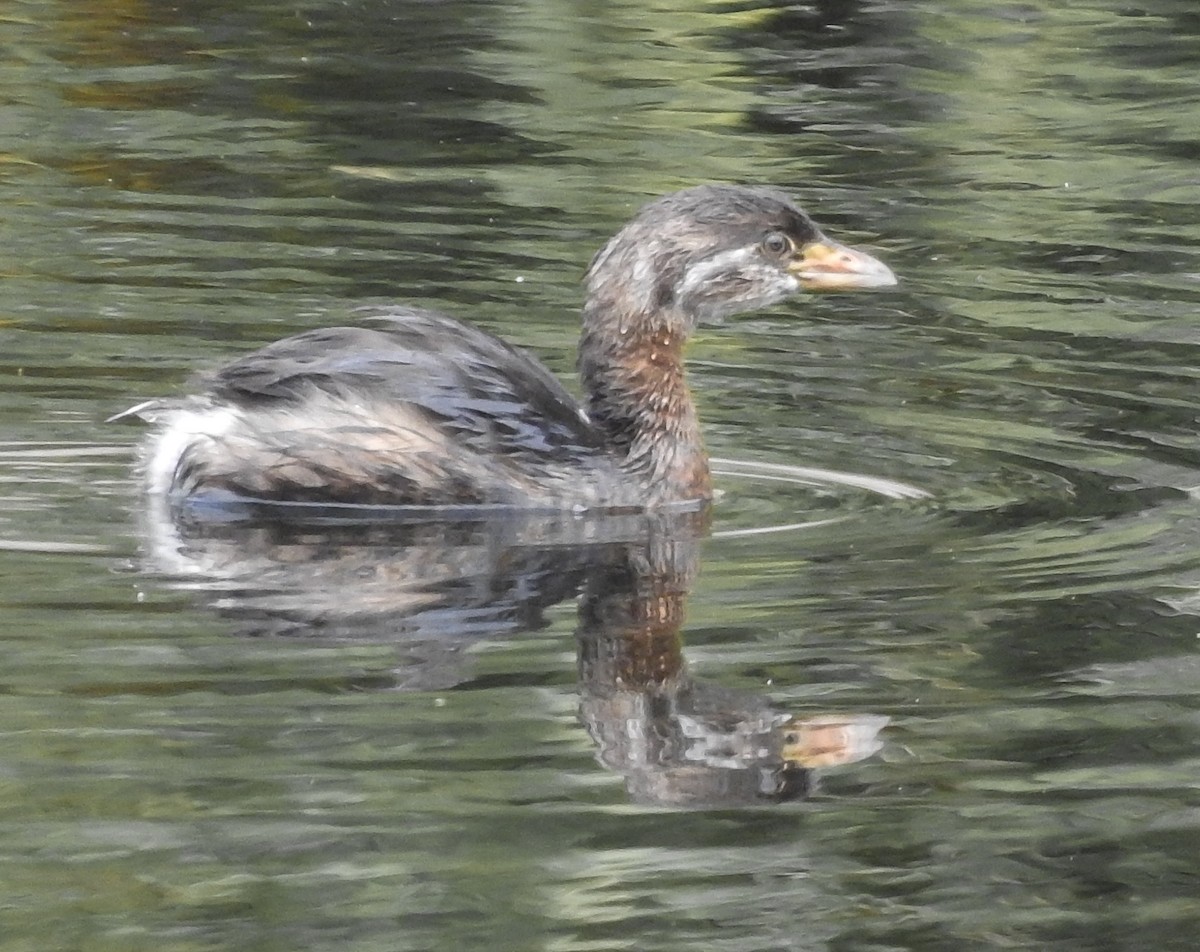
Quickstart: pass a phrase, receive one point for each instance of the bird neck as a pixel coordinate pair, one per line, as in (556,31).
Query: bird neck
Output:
(637,395)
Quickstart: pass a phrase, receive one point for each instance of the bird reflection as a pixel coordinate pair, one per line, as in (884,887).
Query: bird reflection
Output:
(679,740)
(434,582)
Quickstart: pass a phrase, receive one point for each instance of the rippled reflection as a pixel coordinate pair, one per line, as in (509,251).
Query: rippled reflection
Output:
(433,585)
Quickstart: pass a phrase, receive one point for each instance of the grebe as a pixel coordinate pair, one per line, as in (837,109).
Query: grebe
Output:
(417,408)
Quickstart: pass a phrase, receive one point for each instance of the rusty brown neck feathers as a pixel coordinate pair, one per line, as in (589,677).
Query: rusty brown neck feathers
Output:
(637,395)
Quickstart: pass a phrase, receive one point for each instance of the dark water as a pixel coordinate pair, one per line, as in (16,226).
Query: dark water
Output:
(416,736)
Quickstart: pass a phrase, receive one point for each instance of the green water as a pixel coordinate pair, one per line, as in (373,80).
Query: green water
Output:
(411,738)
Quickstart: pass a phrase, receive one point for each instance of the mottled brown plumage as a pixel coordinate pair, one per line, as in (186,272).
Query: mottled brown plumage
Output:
(417,408)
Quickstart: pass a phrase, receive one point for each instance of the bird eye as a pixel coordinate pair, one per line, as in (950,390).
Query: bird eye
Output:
(777,243)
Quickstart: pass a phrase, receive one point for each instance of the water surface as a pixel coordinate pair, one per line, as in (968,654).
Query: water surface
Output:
(420,736)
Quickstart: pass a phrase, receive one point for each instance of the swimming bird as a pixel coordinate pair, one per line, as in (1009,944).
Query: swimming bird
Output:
(413,407)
